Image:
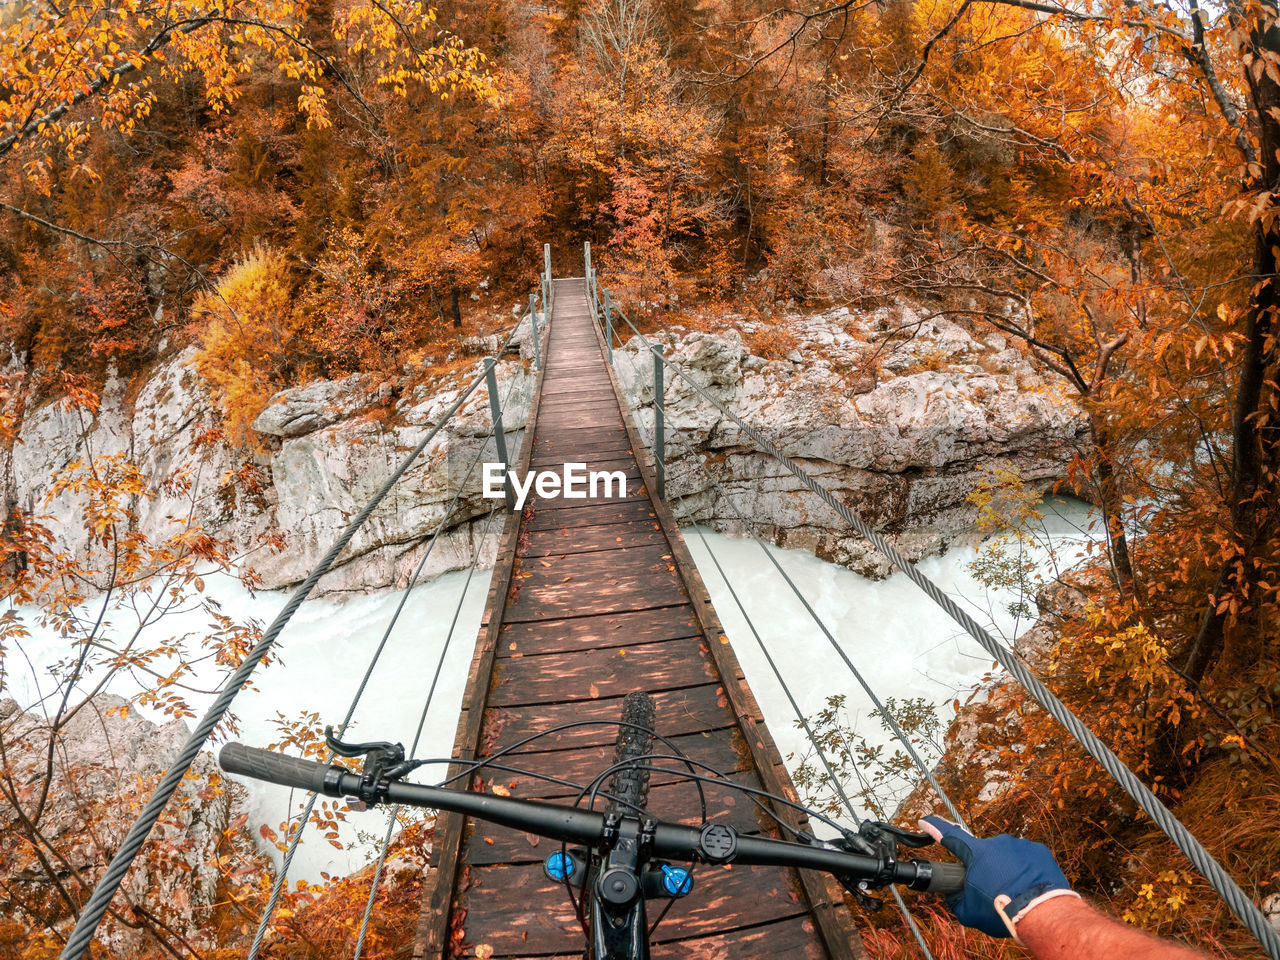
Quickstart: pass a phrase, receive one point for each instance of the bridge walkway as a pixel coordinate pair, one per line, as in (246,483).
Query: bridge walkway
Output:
(591,599)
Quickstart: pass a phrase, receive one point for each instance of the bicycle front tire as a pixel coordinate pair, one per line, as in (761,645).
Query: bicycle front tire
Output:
(629,786)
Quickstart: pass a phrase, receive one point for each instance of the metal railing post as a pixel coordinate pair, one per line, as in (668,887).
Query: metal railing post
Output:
(586,262)
(546,272)
(608,324)
(659,423)
(533,319)
(495,410)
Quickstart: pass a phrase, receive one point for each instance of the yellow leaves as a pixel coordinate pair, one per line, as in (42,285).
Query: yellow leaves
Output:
(249,323)
(87,51)
(1160,899)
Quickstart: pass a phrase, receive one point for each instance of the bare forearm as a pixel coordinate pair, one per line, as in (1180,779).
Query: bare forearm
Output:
(1067,928)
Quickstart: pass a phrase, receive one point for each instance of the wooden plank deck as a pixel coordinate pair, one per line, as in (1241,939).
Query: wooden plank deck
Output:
(590,600)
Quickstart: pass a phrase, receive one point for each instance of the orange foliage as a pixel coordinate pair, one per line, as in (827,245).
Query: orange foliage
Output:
(309,190)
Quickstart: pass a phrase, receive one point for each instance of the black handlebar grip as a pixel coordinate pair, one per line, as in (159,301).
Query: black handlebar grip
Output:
(946,878)
(273,767)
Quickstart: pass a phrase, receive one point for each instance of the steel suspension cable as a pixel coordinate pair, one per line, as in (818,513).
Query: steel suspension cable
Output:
(386,841)
(96,906)
(889,719)
(417,736)
(835,781)
(1221,881)
(795,707)
(773,666)
(277,886)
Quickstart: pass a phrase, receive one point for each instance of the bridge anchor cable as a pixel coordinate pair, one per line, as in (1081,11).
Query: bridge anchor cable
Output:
(1221,881)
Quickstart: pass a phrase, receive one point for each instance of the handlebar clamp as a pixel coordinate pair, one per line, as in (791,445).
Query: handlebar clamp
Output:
(648,827)
(609,831)
(879,840)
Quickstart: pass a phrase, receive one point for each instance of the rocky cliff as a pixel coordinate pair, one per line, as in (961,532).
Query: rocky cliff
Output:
(900,440)
(104,765)
(901,445)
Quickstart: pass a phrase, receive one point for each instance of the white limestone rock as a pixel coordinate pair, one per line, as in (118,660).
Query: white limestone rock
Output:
(301,410)
(902,448)
(897,430)
(323,479)
(157,432)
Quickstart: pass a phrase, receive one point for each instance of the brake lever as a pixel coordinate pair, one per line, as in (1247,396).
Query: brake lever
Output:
(908,838)
(383,762)
(343,749)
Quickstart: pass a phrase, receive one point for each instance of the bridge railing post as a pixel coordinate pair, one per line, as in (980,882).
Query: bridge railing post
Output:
(495,411)
(586,262)
(533,319)
(659,424)
(608,324)
(550,293)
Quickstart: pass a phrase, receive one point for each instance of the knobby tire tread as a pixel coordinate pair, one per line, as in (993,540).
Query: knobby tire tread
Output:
(629,785)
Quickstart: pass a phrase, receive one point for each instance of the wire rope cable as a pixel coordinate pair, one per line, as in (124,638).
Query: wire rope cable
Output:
(889,719)
(385,845)
(895,728)
(804,722)
(795,707)
(277,886)
(1222,882)
(366,916)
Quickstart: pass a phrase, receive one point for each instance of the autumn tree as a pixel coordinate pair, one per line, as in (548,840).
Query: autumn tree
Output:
(107,601)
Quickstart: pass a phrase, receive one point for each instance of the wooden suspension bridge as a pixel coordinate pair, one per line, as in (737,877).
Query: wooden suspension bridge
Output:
(590,599)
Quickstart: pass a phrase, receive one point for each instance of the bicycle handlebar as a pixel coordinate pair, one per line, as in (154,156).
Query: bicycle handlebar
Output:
(671,841)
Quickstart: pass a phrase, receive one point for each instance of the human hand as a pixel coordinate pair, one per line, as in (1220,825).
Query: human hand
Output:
(1006,876)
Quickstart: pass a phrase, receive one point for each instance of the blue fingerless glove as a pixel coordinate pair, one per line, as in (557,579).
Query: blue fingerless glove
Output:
(1005,877)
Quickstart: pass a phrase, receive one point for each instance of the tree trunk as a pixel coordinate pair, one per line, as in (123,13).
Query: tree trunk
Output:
(1228,629)
(455,305)
(1112,508)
